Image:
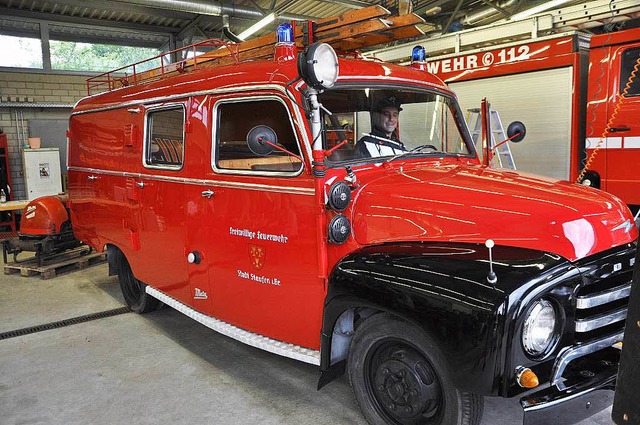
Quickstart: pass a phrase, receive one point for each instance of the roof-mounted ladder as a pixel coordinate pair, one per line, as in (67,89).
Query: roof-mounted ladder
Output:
(348,32)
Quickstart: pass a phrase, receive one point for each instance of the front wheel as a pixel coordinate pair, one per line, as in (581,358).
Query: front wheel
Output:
(400,377)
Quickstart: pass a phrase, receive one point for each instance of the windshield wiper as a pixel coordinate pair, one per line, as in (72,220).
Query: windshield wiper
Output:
(414,150)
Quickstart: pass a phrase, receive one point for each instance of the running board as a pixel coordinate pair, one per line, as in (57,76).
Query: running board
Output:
(259,341)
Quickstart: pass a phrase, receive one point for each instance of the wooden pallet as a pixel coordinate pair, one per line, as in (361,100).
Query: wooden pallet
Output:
(54,265)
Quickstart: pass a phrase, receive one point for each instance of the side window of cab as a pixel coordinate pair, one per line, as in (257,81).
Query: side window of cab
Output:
(255,136)
(629,59)
(164,138)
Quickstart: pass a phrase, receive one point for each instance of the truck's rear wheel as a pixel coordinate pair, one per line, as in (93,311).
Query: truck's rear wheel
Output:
(399,376)
(134,290)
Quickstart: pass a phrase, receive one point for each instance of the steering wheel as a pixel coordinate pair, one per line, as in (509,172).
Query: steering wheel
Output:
(419,148)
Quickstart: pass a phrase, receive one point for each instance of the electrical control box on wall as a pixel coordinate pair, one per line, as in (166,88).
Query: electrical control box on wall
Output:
(42,172)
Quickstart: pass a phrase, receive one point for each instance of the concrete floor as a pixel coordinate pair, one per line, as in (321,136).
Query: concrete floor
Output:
(158,368)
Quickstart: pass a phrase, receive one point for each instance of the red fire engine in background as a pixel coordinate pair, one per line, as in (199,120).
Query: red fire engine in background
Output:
(613,127)
(217,186)
(569,86)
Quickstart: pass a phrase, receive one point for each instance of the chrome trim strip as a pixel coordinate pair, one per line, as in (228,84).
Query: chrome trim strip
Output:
(604,297)
(573,353)
(201,182)
(255,340)
(158,99)
(386,78)
(563,400)
(146,141)
(215,130)
(595,322)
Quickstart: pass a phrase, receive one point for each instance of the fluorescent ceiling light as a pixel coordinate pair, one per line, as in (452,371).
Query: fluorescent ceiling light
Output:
(257,26)
(540,8)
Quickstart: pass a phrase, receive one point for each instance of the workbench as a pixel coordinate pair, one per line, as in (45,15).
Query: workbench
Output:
(11,221)
(13,205)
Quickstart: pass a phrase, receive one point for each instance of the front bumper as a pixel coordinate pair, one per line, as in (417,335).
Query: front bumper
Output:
(579,399)
(568,408)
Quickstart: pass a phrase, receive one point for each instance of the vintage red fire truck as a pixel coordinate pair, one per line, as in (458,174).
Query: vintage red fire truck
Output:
(568,85)
(245,195)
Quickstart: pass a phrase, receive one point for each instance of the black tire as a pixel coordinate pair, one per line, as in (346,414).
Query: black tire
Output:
(133,290)
(399,376)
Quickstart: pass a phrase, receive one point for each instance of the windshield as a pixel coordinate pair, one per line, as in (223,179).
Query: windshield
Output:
(387,123)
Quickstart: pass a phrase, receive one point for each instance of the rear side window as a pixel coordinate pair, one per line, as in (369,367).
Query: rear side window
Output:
(629,59)
(165,138)
(255,136)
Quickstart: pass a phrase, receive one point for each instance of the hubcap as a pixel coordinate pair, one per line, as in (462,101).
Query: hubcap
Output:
(403,384)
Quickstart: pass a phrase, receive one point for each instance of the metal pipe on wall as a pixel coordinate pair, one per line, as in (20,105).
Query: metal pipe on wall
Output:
(201,7)
(211,8)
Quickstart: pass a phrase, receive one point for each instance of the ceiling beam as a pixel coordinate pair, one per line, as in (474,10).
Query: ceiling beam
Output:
(452,17)
(95,39)
(115,7)
(496,7)
(358,4)
(87,22)
(194,25)
(257,6)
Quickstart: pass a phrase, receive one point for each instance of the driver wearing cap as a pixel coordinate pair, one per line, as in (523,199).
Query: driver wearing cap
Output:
(383,139)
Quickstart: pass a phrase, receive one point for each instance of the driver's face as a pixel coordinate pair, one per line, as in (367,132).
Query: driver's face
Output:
(389,119)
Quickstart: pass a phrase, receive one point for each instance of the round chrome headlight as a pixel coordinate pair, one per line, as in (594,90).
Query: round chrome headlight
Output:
(318,65)
(539,328)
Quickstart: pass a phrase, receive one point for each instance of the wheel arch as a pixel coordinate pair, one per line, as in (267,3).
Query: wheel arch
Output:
(412,283)
(115,257)
(342,317)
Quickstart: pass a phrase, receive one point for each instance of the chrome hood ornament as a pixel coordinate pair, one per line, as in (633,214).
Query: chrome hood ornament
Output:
(627,225)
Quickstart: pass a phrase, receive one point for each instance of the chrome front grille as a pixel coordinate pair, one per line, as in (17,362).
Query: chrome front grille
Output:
(601,306)
(601,320)
(601,302)
(603,297)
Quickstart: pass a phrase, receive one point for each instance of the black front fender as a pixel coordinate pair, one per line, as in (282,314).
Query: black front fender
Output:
(443,288)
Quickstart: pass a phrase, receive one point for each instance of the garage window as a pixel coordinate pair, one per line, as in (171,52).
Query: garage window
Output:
(629,60)
(240,120)
(165,138)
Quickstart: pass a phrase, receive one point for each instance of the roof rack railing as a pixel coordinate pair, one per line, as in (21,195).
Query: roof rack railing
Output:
(347,33)
(157,67)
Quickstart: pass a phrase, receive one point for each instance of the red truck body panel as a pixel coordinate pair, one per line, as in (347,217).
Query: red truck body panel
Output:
(612,121)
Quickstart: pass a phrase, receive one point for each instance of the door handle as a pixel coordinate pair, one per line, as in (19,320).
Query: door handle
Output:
(207,193)
(92,177)
(618,129)
(140,184)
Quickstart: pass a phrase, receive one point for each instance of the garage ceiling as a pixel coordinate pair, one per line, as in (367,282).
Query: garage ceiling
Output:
(156,23)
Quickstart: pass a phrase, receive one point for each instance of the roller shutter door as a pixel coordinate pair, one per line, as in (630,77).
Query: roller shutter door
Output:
(542,101)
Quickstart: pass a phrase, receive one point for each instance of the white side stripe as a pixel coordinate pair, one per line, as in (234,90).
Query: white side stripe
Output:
(613,143)
(632,142)
(592,142)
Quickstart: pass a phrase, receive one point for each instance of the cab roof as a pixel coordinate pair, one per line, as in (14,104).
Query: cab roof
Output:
(249,75)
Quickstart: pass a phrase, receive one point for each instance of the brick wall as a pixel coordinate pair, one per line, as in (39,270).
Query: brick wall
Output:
(35,88)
